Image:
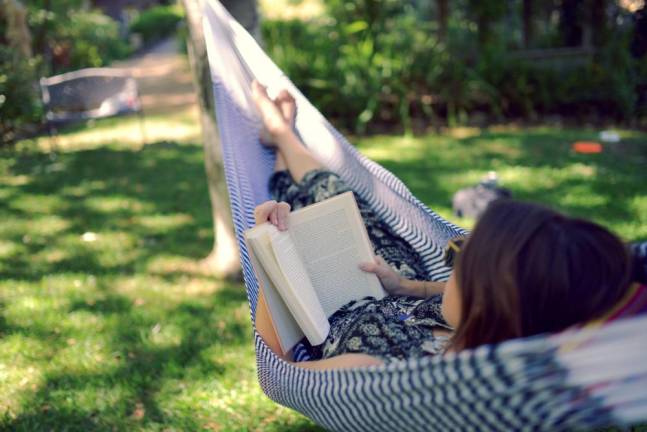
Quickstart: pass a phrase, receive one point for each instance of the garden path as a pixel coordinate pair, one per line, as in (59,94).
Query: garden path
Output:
(164,78)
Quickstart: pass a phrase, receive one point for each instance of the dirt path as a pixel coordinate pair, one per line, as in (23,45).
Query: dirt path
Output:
(169,102)
(164,78)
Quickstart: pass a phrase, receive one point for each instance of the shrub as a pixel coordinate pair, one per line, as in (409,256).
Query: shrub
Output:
(75,39)
(157,22)
(364,67)
(89,39)
(19,101)
(354,75)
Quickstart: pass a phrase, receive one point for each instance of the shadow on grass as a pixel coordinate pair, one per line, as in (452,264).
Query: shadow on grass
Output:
(140,368)
(158,197)
(142,206)
(151,204)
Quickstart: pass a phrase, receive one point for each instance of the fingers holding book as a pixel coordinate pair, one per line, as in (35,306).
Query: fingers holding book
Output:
(390,279)
(273,212)
(395,284)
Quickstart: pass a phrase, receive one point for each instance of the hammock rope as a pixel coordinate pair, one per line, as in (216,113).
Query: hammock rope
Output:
(577,379)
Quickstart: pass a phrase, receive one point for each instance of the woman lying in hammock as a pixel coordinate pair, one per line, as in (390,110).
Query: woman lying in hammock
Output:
(525,270)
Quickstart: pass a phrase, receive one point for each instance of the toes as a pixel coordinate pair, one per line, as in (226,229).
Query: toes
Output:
(259,91)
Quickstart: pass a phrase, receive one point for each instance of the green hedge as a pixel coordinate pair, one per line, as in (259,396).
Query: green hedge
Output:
(351,76)
(90,39)
(157,22)
(19,100)
(393,70)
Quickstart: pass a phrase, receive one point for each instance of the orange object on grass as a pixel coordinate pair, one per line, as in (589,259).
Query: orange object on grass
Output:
(587,147)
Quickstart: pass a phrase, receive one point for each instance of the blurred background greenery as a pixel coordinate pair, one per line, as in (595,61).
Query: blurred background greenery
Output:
(66,35)
(376,65)
(403,64)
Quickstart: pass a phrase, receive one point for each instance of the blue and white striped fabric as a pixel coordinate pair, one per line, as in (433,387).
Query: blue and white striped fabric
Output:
(573,380)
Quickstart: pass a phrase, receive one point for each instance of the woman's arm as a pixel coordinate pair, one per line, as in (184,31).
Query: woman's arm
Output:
(395,284)
(344,361)
(265,328)
(422,289)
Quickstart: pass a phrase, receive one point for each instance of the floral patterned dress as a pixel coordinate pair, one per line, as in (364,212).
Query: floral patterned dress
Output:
(395,327)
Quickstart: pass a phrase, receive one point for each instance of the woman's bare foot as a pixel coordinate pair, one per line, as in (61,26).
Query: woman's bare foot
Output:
(278,118)
(277,115)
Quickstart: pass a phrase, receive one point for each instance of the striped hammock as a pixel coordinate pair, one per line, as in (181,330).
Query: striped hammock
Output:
(577,379)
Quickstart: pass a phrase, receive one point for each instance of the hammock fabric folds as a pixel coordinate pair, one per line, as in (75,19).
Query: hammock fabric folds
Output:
(577,379)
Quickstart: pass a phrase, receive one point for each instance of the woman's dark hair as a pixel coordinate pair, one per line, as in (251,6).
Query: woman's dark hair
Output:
(526,269)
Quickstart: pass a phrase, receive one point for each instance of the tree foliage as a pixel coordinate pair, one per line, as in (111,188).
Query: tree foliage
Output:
(18,99)
(64,35)
(157,22)
(381,63)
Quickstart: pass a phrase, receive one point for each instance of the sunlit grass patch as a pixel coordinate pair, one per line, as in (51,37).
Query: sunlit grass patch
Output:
(20,180)
(181,126)
(168,265)
(36,203)
(9,249)
(19,377)
(162,222)
(116,203)
(536,164)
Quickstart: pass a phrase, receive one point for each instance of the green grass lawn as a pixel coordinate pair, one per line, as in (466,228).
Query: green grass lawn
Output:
(537,165)
(107,319)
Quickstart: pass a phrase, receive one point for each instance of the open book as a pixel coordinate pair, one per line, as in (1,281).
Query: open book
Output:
(309,271)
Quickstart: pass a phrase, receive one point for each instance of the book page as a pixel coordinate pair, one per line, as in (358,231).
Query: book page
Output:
(331,239)
(300,295)
(287,329)
(276,259)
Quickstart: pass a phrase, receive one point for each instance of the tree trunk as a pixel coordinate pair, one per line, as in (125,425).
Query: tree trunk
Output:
(442,7)
(223,259)
(483,25)
(18,35)
(246,13)
(570,25)
(486,14)
(528,24)
(599,22)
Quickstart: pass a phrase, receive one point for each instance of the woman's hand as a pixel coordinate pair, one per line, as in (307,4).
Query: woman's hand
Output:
(278,114)
(395,284)
(274,212)
(390,279)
